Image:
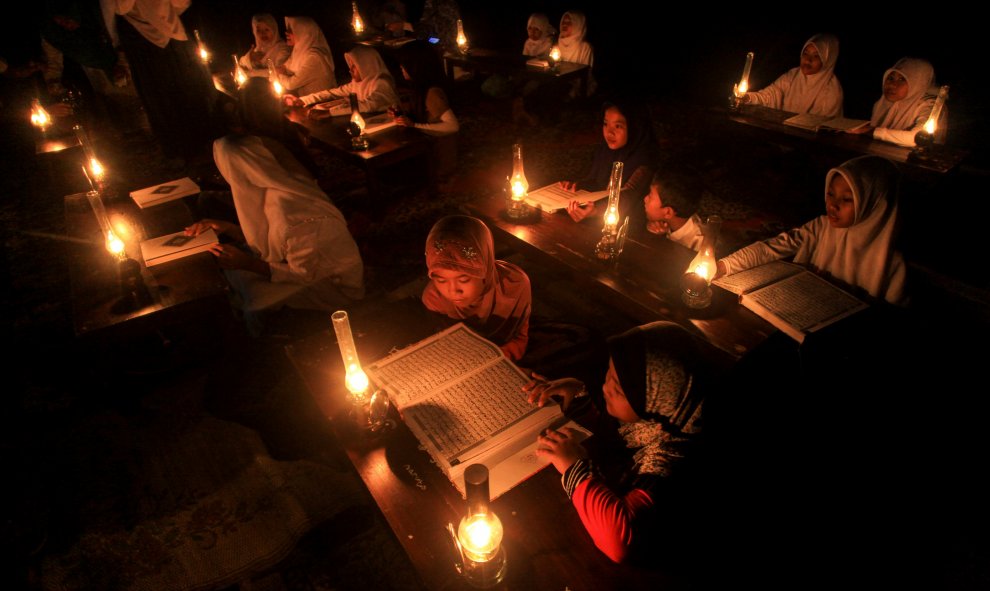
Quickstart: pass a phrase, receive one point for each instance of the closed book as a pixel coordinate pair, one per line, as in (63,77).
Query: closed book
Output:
(175,246)
(165,192)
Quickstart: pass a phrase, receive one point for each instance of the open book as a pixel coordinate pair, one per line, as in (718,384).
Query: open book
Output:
(823,123)
(165,192)
(554,197)
(175,246)
(791,298)
(462,398)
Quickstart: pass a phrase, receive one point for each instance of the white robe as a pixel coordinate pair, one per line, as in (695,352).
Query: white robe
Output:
(375,91)
(690,234)
(289,222)
(157,20)
(862,255)
(277,51)
(818,94)
(575,49)
(898,122)
(542,46)
(310,65)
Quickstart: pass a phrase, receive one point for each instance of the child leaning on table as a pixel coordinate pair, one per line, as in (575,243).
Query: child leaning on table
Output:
(671,207)
(468,285)
(658,377)
(853,242)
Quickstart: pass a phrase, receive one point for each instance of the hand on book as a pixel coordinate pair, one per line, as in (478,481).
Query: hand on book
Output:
(540,390)
(292,100)
(561,447)
(579,210)
(861,130)
(221,227)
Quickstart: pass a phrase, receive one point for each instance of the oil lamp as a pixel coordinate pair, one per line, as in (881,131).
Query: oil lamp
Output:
(273,79)
(606,249)
(462,41)
(356,21)
(201,51)
(554,58)
(518,186)
(740,89)
(925,139)
(368,411)
(240,77)
(478,539)
(696,282)
(359,141)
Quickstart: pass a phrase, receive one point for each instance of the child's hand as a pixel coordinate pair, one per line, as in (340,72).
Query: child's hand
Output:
(292,100)
(568,185)
(404,121)
(578,210)
(560,447)
(201,226)
(657,227)
(540,390)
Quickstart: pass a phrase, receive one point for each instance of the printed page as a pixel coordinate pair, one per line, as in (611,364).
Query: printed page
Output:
(554,197)
(756,277)
(429,365)
(806,301)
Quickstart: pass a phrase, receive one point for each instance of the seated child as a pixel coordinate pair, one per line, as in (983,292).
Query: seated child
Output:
(627,137)
(810,88)
(268,45)
(370,81)
(540,40)
(671,205)
(468,285)
(853,242)
(909,93)
(657,380)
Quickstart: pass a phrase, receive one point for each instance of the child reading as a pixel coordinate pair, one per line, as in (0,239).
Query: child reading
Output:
(658,376)
(468,285)
(853,242)
(370,81)
(671,205)
(812,87)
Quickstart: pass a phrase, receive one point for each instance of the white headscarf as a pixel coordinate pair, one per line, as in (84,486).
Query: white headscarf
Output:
(574,48)
(863,254)
(544,44)
(156,20)
(902,114)
(373,70)
(308,38)
(822,87)
(276,50)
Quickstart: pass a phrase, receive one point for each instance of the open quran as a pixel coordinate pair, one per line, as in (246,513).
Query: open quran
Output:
(463,399)
(791,298)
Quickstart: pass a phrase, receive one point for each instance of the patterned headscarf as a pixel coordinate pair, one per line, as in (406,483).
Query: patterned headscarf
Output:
(662,371)
(463,243)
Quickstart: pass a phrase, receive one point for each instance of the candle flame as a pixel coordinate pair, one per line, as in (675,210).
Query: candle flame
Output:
(461,40)
(555,54)
(611,218)
(204,54)
(518,191)
(241,77)
(277,88)
(356,380)
(743,87)
(930,126)
(97,169)
(39,116)
(358,119)
(114,244)
(479,534)
(358,24)
(702,271)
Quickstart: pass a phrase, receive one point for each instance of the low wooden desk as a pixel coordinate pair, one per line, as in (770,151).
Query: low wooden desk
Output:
(484,60)
(645,279)
(385,148)
(770,122)
(174,287)
(546,544)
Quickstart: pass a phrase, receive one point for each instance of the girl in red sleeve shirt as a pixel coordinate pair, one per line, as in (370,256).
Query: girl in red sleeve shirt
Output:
(654,388)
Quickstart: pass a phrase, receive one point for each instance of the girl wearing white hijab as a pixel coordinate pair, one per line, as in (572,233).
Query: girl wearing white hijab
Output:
(310,66)
(540,41)
(573,47)
(370,81)
(853,242)
(810,88)
(301,253)
(908,97)
(268,45)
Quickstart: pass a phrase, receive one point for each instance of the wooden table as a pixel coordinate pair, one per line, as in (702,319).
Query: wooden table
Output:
(769,123)
(546,544)
(644,282)
(485,60)
(387,147)
(175,288)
